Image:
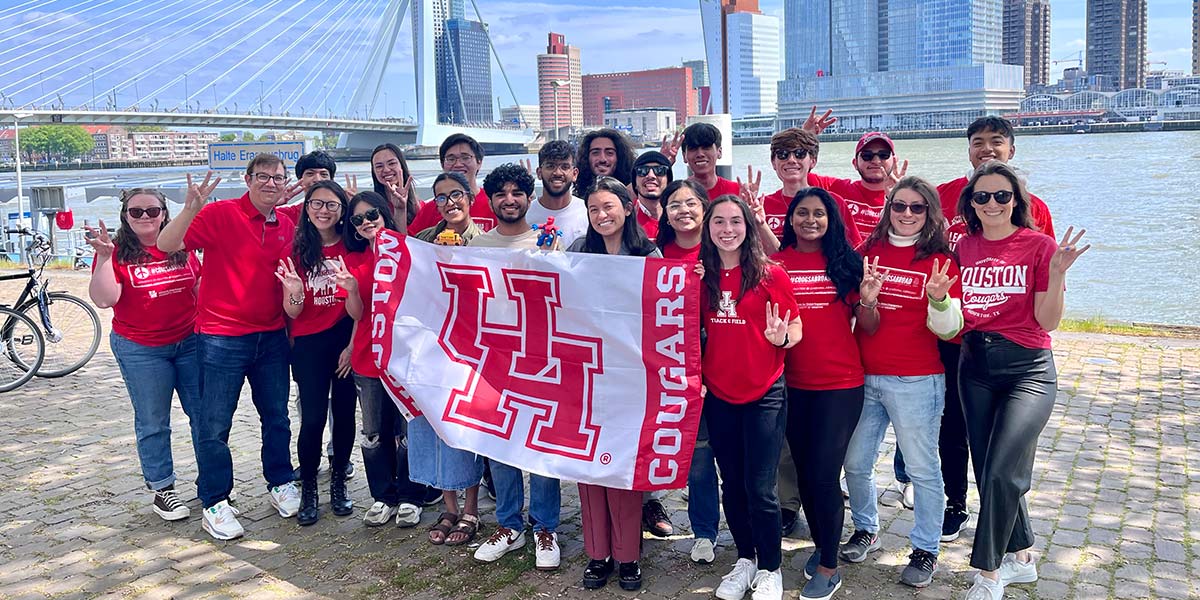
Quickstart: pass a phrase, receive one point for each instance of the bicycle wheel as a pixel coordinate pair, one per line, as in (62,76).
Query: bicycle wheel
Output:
(71,329)
(23,347)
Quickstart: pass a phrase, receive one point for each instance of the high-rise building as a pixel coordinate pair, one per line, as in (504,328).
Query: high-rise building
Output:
(896,64)
(1116,42)
(524,115)
(442,11)
(1027,39)
(700,71)
(656,88)
(752,55)
(465,85)
(560,76)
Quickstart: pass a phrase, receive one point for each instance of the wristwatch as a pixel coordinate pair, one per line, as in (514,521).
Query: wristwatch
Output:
(785,341)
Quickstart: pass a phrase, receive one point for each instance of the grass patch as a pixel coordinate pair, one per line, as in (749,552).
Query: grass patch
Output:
(1098,324)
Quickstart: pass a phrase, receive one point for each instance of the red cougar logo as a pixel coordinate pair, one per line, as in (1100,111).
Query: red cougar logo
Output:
(529,364)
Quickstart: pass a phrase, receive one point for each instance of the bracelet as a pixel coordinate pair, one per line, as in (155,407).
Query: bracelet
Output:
(785,341)
(870,306)
(294,301)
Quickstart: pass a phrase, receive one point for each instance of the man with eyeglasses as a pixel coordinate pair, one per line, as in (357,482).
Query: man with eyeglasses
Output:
(241,334)
(878,170)
(651,174)
(793,156)
(460,153)
(557,171)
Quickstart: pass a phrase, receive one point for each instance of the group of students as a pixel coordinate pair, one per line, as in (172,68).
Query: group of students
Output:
(830,309)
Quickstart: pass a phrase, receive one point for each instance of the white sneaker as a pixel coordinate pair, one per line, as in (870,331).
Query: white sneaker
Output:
(168,505)
(892,495)
(408,515)
(907,497)
(379,514)
(220,521)
(1014,571)
(503,541)
(286,499)
(767,585)
(702,551)
(736,582)
(985,589)
(546,552)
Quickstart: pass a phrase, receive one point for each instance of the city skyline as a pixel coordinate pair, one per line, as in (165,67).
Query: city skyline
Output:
(662,35)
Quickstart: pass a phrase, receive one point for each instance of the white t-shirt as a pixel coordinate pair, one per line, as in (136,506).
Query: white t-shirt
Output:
(572,221)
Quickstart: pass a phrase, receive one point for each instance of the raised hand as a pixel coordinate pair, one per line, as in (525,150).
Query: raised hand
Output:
(287,275)
(939,281)
(343,278)
(671,144)
(100,241)
(398,191)
(897,173)
(748,190)
(872,281)
(815,125)
(289,193)
(528,164)
(1067,252)
(197,195)
(776,331)
(351,186)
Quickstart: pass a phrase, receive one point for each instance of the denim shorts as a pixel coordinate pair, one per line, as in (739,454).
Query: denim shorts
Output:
(434,463)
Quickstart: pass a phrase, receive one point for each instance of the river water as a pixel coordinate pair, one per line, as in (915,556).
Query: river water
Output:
(1129,190)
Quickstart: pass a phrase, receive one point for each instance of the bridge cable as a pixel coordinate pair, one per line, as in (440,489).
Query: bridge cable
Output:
(302,61)
(42,37)
(328,59)
(499,62)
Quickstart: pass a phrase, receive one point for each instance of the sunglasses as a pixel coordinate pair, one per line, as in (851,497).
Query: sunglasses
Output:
(138,213)
(369,215)
(444,198)
(659,170)
(916,209)
(1001,197)
(799,153)
(868,156)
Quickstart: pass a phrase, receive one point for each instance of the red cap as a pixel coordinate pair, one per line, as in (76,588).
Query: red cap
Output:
(867,138)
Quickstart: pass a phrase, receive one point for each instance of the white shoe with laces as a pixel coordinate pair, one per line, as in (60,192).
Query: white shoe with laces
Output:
(547,555)
(1014,571)
(767,585)
(501,542)
(985,589)
(220,521)
(380,513)
(908,496)
(735,583)
(702,551)
(286,499)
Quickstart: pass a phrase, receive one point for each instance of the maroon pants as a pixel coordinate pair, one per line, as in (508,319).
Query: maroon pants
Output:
(612,522)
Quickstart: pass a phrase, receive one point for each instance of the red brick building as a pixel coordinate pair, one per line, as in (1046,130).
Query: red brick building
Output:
(669,87)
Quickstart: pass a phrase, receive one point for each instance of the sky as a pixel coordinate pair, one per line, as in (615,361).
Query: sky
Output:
(293,54)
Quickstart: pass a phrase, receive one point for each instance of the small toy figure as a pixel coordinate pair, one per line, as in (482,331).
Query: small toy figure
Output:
(448,238)
(548,233)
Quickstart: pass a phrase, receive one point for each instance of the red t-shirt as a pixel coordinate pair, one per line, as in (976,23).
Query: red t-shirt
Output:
(999,280)
(865,205)
(428,215)
(362,266)
(674,250)
(903,344)
(324,301)
(158,300)
(239,293)
(648,223)
(739,364)
(721,187)
(776,205)
(827,356)
(956,227)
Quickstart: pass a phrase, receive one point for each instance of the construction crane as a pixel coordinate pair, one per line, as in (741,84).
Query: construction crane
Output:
(1078,59)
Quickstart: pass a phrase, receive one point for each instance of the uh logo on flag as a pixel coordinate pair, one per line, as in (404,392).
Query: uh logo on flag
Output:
(575,366)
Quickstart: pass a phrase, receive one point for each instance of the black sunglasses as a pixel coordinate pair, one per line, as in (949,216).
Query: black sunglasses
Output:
(370,215)
(799,153)
(1001,197)
(151,212)
(644,170)
(868,156)
(916,209)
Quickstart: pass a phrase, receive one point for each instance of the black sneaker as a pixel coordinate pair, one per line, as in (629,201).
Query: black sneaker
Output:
(596,574)
(953,523)
(920,569)
(860,544)
(631,576)
(168,505)
(790,517)
(655,519)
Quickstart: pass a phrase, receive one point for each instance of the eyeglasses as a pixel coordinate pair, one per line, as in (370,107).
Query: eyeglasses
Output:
(444,198)
(1001,197)
(799,153)
(916,209)
(369,215)
(265,177)
(659,170)
(151,212)
(329,205)
(868,156)
(458,158)
(689,204)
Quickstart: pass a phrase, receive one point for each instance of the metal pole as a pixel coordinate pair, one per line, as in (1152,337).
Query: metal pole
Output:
(555,88)
(93,88)
(185,93)
(17,152)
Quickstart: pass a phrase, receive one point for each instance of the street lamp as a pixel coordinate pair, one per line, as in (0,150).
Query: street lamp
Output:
(17,154)
(185,92)
(554,85)
(93,90)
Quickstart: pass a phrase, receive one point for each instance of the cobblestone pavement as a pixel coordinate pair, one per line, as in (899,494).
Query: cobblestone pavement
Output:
(1115,502)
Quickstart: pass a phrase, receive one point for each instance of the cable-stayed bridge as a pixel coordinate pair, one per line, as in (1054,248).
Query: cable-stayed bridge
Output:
(309,65)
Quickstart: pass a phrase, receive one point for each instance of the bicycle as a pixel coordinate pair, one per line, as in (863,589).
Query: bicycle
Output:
(24,347)
(70,327)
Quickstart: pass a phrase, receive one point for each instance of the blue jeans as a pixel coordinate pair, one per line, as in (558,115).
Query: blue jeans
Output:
(704,508)
(914,407)
(152,375)
(544,498)
(226,363)
(384,446)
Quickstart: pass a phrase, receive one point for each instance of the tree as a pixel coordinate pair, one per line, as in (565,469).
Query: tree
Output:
(147,128)
(247,136)
(63,142)
(229,137)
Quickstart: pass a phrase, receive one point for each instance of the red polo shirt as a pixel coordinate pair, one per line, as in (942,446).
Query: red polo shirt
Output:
(481,212)
(239,293)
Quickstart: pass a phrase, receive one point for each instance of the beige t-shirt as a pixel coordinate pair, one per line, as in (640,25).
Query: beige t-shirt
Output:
(494,239)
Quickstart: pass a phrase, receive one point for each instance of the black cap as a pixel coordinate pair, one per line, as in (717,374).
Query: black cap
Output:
(654,157)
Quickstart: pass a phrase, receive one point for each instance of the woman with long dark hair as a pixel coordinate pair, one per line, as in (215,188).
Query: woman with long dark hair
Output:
(1013,283)
(750,320)
(153,297)
(452,196)
(392,180)
(612,229)
(316,283)
(898,332)
(824,372)
(684,203)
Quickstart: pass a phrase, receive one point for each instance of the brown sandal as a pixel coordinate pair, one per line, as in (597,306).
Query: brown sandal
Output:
(468,525)
(443,525)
